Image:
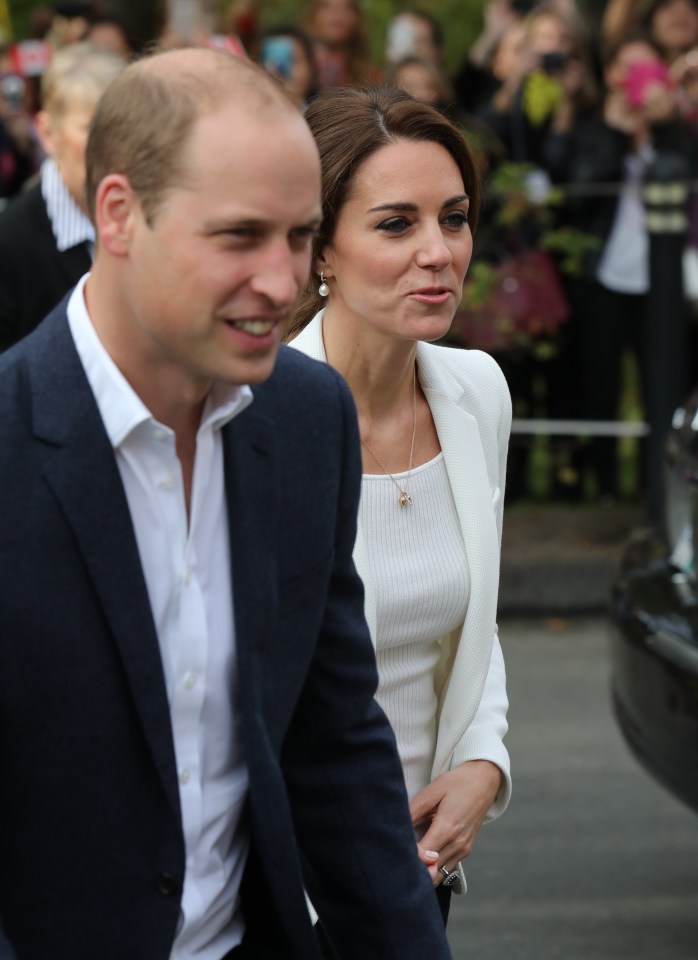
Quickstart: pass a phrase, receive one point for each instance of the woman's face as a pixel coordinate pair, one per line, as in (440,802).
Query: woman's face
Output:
(402,244)
(335,21)
(675,26)
(419,81)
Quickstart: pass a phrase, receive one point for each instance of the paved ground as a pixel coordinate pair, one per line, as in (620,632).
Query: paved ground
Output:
(560,559)
(593,860)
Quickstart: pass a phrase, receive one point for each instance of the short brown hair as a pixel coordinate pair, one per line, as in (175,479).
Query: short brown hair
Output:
(144,120)
(349,126)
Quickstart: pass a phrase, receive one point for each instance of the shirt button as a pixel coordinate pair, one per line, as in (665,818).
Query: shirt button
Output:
(167,884)
(168,481)
(186,579)
(189,680)
(159,433)
(184,776)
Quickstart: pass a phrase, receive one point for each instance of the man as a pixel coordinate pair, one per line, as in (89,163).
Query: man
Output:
(179,762)
(46,237)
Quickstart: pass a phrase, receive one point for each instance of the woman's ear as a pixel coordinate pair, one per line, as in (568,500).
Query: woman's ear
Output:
(323,263)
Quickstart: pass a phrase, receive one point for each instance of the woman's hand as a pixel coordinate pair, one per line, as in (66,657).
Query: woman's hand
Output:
(455,804)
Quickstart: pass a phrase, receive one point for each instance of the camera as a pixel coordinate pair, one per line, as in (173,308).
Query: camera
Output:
(554,62)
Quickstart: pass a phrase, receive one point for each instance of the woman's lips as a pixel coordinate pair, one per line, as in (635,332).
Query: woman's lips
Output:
(431,295)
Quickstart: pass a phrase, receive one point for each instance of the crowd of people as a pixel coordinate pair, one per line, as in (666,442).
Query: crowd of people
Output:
(576,105)
(250,669)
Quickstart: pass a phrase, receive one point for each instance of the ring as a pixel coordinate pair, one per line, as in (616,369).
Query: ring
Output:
(451,877)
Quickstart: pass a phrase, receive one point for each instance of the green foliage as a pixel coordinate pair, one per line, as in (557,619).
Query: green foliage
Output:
(517,202)
(570,246)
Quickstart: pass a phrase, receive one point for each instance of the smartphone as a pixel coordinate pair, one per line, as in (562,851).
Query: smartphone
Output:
(277,56)
(640,75)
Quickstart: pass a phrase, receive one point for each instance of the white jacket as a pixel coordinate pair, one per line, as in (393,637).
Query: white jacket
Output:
(470,403)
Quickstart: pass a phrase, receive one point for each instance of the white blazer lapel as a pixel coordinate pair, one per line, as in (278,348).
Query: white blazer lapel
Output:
(466,466)
(310,342)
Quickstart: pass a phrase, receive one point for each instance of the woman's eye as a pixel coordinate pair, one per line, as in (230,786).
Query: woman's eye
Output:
(394,225)
(457,219)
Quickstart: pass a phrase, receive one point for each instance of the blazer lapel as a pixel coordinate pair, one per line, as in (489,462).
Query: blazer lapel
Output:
(250,481)
(310,342)
(466,466)
(81,470)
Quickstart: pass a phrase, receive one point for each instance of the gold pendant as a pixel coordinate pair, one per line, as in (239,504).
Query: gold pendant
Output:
(405,499)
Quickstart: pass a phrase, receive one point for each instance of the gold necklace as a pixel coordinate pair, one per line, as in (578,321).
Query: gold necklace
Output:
(404,498)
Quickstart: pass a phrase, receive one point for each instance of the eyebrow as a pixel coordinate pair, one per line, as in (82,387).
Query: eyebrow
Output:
(220,226)
(411,207)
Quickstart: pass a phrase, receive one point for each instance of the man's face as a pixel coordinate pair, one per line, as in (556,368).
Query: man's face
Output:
(67,147)
(211,282)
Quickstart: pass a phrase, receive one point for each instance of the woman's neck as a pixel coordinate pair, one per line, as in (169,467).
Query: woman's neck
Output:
(379,369)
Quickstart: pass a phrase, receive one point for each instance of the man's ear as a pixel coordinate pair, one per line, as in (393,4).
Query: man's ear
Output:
(46,131)
(116,210)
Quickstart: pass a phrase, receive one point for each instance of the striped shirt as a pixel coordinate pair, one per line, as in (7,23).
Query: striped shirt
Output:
(70,225)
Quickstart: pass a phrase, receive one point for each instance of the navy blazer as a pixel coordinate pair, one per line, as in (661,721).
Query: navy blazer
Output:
(91,846)
(34,274)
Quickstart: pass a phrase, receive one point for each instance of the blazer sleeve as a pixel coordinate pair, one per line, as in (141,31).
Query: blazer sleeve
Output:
(342,770)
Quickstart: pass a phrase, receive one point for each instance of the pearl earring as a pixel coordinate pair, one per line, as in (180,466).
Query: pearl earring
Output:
(323,289)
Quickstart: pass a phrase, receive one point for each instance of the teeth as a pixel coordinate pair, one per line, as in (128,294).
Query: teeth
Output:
(257,328)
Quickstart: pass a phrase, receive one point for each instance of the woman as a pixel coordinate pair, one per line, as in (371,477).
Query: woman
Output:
(399,190)
(287,53)
(338,30)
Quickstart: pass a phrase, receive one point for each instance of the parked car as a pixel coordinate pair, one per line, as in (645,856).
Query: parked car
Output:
(654,646)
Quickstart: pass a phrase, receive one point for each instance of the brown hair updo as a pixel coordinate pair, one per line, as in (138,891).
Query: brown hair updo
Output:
(349,125)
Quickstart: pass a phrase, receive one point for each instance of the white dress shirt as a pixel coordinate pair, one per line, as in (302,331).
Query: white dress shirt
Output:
(69,223)
(187,569)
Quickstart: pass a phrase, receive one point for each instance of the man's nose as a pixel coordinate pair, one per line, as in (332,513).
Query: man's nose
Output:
(277,277)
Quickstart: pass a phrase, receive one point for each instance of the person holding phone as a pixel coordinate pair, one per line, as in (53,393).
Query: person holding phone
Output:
(639,116)
(286,52)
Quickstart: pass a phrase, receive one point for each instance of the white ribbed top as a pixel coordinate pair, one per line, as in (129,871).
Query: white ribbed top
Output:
(421,579)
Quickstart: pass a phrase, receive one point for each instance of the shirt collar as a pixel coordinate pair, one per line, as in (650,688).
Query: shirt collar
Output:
(121,409)
(69,224)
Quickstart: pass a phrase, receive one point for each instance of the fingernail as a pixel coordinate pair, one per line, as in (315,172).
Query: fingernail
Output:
(432,854)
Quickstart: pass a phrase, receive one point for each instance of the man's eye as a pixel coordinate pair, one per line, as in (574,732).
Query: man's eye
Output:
(302,237)
(394,225)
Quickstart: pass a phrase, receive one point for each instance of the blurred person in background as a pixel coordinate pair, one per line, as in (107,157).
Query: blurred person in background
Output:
(108,31)
(340,43)
(414,33)
(18,154)
(671,25)
(287,53)
(46,237)
(400,192)
(639,116)
(427,82)
(549,86)
(422,79)
(70,23)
